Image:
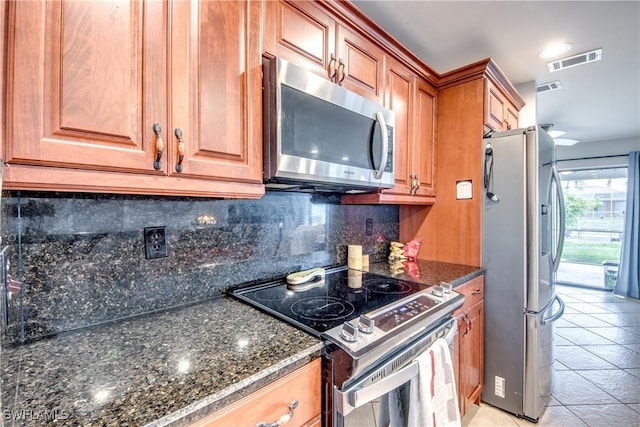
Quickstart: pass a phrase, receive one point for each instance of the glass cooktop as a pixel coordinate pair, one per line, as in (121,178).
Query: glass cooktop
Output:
(325,303)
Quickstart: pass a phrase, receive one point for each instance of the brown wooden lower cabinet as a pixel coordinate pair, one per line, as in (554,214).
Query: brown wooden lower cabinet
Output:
(469,344)
(272,402)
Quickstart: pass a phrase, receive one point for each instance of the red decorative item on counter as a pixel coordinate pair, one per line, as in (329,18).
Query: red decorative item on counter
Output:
(412,269)
(411,248)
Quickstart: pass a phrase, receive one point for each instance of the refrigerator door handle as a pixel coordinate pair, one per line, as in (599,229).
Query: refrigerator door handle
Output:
(561,213)
(558,314)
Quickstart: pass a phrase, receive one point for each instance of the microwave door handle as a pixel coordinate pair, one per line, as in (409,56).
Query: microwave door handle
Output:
(385,145)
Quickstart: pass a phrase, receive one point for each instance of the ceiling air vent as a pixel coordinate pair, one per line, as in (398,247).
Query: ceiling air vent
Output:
(546,87)
(572,61)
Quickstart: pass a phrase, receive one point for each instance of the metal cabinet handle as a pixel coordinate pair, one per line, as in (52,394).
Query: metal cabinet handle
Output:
(470,322)
(157,165)
(476,292)
(344,72)
(415,184)
(283,419)
(467,323)
(332,71)
(178,133)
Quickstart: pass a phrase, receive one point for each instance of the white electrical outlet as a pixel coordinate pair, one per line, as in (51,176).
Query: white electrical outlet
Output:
(464,190)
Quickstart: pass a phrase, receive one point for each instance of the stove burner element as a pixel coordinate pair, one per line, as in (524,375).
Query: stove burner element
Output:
(270,294)
(322,308)
(388,287)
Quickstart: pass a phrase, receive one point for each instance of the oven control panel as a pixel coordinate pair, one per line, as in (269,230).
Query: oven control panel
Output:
(403,313)
(390,324)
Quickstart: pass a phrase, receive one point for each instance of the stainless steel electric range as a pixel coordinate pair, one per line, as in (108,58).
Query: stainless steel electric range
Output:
(373,327)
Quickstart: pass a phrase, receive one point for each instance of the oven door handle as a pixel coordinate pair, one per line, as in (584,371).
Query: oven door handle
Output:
(357,398)
(356,395)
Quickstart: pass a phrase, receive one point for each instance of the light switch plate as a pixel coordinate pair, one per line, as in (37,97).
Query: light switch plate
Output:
(464,190)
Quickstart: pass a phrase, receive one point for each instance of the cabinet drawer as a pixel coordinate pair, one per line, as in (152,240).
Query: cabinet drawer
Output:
(272,401)
(473,292)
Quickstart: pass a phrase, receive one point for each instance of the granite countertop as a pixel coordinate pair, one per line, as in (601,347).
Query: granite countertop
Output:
(428,272)
(167,368)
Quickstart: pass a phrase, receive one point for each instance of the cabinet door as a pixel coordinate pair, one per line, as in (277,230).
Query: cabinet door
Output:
(500,114)
(85,83)
(424,137)
(364,63)
(473,365)
(494,115)
(216,90)
(301,33)
(271,402)
(511,116)
(399,99)
(469,344)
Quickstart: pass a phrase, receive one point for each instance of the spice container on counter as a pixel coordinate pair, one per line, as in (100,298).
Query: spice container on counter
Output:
(354,257)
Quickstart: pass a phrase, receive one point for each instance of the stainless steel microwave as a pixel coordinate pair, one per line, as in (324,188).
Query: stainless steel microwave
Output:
(320,136)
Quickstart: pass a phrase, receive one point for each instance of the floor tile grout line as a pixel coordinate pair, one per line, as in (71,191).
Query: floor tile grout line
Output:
(602,389)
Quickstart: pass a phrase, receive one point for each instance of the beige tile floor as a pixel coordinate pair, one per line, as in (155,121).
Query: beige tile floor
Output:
(597,368)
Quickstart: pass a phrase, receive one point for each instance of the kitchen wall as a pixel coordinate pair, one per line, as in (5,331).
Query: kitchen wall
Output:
(79,259)
(528,113)
(597,154)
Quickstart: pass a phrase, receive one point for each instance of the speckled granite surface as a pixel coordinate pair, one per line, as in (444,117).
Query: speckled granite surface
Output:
(81,257)
(429,272)
(165,368)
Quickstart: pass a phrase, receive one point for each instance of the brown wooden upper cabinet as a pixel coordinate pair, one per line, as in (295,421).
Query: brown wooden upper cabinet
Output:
(305,34)
(310,35)
(112,98)
(413,100)
(500,114)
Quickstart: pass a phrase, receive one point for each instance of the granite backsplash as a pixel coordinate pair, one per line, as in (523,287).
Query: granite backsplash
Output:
(77,260)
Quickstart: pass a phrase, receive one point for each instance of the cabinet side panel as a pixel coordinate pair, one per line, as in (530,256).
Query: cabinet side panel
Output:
(451,229)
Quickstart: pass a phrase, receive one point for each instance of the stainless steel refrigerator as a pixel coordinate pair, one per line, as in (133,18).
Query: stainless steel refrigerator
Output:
(522,237)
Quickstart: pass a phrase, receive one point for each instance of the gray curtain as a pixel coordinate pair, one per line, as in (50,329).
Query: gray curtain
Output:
(628,283)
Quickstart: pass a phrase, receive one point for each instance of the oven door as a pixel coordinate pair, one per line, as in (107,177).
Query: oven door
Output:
(355,399)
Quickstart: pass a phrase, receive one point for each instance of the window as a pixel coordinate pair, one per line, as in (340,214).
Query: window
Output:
(594,212)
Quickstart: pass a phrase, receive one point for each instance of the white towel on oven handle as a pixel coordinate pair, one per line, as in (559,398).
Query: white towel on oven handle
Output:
(434,398)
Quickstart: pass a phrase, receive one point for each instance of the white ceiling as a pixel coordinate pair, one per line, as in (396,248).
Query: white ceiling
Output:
(599,101)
